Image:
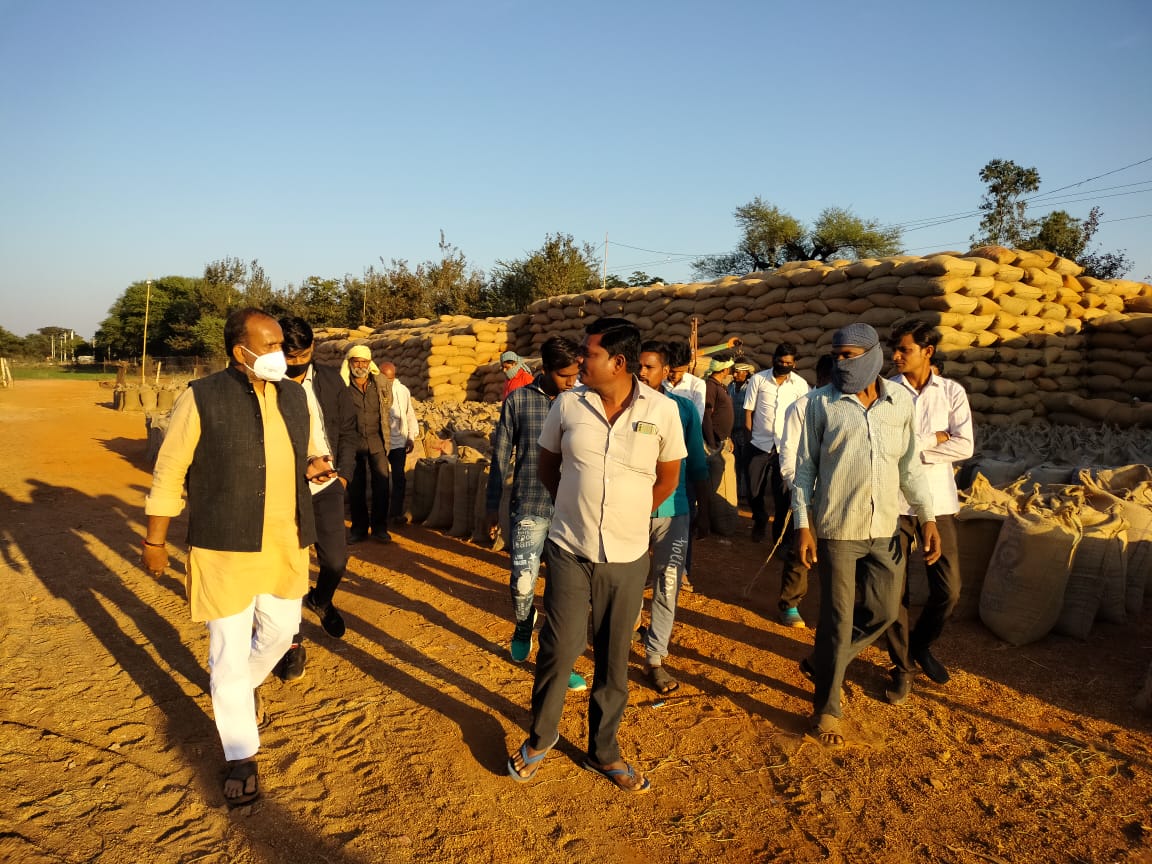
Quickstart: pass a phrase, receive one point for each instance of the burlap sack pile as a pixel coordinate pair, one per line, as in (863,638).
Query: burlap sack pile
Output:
(454,359)
(1015,325)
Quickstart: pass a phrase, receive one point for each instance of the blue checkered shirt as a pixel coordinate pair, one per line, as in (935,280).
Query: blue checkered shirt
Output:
(521,419)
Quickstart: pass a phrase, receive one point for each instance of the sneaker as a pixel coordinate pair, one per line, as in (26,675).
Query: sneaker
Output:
(932,667)
(291,665)
(330,619)
(791,617)
(897,692)
(576,683)
(521,645)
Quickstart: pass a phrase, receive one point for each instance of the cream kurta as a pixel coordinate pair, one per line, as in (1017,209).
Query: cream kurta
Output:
(221,584)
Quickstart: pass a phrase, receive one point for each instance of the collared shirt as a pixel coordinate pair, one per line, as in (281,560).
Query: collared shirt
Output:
(691,387)
(790,440)
(220,584)
(518,430)
(768,401)
(718,413)
(402,421)
(693,468)
(853,461)
(316,427)
(608,470)
(942,406)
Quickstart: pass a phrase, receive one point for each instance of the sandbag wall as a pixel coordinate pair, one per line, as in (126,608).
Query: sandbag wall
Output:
(454,359)
(1015,324)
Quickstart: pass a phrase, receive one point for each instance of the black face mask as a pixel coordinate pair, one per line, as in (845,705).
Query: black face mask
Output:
(295,370)
(778,371)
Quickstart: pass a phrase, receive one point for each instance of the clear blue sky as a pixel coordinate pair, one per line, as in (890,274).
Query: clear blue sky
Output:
(144,138)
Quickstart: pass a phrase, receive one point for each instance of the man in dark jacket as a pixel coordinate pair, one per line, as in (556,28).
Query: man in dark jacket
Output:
(240,441)
(371,395)
(333,421)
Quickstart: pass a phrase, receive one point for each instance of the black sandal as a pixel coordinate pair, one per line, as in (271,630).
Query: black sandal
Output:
(241,772)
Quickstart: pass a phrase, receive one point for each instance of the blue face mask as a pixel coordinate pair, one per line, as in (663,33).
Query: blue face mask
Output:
(854,375)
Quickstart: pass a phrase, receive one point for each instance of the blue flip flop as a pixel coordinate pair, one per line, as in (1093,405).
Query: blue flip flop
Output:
(532,762)
(620,777)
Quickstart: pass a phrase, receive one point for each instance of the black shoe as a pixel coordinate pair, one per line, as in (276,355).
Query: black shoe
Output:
(331,620)
(291,665)
(807,670)
(758,534)
(897,692)
(932,667)
(640,633)
(382,537)
(357,537)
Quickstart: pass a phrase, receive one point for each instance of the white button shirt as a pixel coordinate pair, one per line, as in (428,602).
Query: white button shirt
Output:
(402,423)
(607,471)
(693,388)
(942,406)
(768,401)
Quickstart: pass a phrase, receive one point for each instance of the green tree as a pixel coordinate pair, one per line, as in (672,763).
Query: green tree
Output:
(1070,237)
(770,237)
(557,267)
(1005,219)
(454,287)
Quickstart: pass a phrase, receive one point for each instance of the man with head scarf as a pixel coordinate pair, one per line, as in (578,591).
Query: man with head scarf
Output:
(516,371)
(372,401)
(858,453)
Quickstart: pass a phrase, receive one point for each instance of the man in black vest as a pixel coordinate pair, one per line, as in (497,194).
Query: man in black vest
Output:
(333,423)
(241,440)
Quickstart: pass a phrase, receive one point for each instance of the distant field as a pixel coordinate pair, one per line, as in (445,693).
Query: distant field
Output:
(41,372)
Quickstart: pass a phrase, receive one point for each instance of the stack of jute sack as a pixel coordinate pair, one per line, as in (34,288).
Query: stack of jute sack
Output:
(1058,557)
(1015,325)
(453,359)
(449,494)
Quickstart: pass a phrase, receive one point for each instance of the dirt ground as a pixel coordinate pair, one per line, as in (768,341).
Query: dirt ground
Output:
(393,747)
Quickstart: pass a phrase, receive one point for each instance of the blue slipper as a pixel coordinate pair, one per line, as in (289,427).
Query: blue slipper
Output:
(532,762)
(622,778)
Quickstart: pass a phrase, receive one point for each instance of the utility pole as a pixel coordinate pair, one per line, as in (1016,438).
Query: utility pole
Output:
(604,268)
(144,346)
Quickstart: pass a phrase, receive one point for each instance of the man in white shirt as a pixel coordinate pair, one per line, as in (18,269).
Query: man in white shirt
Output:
(403,427)
(943,423)
(766,399)
(610,452)
(680,380)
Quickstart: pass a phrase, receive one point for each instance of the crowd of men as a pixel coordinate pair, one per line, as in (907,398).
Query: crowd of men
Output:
(610,456)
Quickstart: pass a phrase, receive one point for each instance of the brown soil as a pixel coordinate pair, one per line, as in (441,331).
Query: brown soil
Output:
(393,747)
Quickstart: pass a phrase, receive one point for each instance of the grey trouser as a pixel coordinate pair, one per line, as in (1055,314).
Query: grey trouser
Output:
(847,628)
(669,538)
(615,592)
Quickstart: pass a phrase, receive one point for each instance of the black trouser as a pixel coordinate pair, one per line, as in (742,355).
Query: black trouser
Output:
(770,481)
(615,593)
(376,465)
(331,544)
(943,593)
(397,458)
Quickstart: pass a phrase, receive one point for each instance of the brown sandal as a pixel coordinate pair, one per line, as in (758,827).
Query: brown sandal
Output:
(246,774)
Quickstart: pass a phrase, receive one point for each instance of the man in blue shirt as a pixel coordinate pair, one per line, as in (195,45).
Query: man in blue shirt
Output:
(671,522)
(518,430)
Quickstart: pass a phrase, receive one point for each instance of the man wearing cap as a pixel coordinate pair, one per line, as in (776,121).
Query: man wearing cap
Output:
(858,453)
(741,372)
(719,417)
(372,400)
(516,371)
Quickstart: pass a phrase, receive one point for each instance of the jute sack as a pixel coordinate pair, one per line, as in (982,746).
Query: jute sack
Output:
(1096,579)
(423,489)
(441,515)
(1136,509)
(480,509)
(1119,481)
(1023,590)
(722,481)
(464,498)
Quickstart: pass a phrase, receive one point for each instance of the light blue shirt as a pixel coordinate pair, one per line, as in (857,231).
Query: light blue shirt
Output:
(854,462)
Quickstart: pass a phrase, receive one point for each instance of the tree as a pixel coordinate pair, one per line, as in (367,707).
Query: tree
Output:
(770,237)
(1070,237)
(454,287)
(1005,221)
(557,267)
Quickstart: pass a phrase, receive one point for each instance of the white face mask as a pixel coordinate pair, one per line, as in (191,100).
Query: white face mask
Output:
(268,367)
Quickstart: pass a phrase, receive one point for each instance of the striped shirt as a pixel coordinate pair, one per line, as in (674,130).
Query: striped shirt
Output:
(521,419)
(853,462)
